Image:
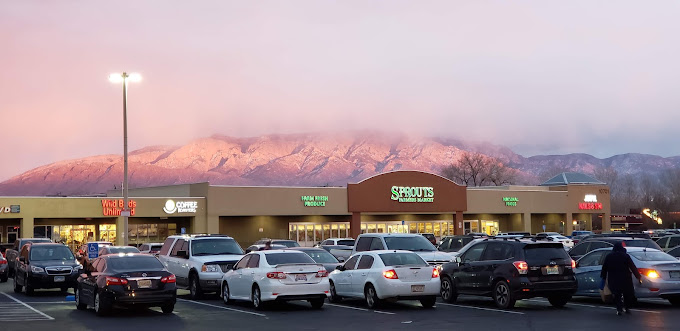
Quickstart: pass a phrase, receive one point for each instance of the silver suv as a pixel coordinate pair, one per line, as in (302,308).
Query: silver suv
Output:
(198,261)
(401,241)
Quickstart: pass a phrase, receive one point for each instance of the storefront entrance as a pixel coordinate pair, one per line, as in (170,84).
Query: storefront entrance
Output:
(484,226)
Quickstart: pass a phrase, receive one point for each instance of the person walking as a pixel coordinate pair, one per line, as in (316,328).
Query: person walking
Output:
(618,269)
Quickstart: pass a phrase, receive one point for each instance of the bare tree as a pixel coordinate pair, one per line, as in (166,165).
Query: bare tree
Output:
(475,169)
(671,180)
(608,175)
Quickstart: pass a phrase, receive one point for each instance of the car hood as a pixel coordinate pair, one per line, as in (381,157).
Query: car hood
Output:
(54,263)
(435,256)
(217,258)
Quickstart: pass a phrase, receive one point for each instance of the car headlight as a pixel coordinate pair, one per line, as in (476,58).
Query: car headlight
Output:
(38,270)
(211,268)
(77,268)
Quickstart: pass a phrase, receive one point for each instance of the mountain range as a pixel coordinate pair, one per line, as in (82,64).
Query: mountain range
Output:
(310,159)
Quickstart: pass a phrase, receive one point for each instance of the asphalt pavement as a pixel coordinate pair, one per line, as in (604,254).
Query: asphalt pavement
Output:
(50,310)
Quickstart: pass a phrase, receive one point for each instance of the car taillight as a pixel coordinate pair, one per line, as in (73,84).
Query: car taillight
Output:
(435,272)
(322,273)
(521,266)
(573,264)
(116,281)
(651,273)
(276,275)
(3,261)
(169,279)
(390,274)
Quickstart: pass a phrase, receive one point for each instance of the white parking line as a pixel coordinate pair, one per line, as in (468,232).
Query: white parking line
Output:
(45,316)
(362,309)
(594,306)
(223,307)
(481,308)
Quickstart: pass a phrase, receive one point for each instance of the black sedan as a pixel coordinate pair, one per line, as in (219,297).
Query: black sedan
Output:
(138,280)
(320,255)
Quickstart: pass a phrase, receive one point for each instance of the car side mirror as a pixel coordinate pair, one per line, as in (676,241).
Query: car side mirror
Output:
(183,254)
(457,259)
(341,259)
(340,267)
(22,259)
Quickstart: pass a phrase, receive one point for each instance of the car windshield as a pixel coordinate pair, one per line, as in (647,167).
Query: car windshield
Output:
(222,246)
(116,250)
(285,258)
(287,243)
(346,242)
(395,259)
(321,256)
(652,256)
(459,242)
(130,263)
(415,243)
(647,243)
(51,253)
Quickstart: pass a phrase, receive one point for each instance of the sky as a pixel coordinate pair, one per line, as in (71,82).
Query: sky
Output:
(540,77)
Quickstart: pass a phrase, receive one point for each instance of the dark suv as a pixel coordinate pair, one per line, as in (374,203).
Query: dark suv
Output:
(509,270)
(588,245)
(46,265)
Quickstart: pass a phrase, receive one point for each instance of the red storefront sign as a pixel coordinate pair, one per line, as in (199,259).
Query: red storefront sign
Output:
(115,207)
(590,205)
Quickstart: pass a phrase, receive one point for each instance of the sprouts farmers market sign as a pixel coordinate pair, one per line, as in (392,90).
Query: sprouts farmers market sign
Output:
(412,194)
(314,200)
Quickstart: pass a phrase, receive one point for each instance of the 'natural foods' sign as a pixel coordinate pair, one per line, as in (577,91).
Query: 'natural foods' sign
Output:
(412,194)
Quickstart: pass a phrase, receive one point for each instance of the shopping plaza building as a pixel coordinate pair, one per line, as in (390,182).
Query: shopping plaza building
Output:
(397,202)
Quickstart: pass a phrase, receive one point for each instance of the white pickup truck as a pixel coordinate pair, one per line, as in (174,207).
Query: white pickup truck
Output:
(199,261)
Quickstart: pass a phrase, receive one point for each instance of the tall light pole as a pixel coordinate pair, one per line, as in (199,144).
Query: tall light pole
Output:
(124,78)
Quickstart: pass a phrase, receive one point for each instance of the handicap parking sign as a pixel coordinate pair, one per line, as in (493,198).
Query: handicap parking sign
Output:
(92,250)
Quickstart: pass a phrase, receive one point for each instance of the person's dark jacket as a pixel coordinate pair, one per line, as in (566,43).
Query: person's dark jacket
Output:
(619,268)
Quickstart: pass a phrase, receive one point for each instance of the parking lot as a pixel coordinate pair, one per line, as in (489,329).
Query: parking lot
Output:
(49,309)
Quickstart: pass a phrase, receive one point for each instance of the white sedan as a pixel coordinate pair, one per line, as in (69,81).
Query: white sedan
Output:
(276,275)
(386,275)
(568,243)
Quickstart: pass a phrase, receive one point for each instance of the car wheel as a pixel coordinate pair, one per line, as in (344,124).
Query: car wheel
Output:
(29,288)
(17,287)
(167,309)
(225,293)
(256,297)
(334,295)
(559,301)
(502,295)
(448,290)
(101,305)
(316,303)
(79,300)
(371,297)
(195,291)
(64,289)
(3,278)
(428,302)
(675,301)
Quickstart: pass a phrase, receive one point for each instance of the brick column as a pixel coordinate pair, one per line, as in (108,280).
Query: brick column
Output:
(355,225)
(458,223)
(26,227)
(569,225)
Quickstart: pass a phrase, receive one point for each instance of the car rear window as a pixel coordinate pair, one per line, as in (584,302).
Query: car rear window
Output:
(543,254)
(648,243)
(416,243)
(458,243)
(116,250)
(346,242)
(395,259)
(129,263)
(321,256)
(284,258)
(652,256)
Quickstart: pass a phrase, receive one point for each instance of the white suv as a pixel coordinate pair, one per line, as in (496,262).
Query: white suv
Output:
(199,261)
(401,241)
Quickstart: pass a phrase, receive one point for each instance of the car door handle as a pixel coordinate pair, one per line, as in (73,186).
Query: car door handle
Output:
(364,274)
(252,272)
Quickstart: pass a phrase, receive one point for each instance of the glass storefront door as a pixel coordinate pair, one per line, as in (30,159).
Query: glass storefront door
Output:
(490,227)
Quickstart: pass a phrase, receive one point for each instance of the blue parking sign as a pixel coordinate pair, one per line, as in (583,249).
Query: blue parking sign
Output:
(92,250)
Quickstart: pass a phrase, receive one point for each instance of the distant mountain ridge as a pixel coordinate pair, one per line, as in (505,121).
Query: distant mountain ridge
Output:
(311,159)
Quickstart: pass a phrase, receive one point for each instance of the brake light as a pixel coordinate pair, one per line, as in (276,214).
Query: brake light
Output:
(623,243)
(651,273)
(116,281)
(169,279)
(521,266)
(390,274)
(3,261)
(573,264)
(276,275)
(435,272)
(322,273)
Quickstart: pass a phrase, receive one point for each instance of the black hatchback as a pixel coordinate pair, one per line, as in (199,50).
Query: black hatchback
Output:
(510,270)
(138,280)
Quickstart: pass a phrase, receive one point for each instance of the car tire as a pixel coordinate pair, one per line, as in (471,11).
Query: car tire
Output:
(168,309)
(502,295)
(195,292)
(256,298)
(448,290)
(559,301)
(335,298)
(225,293)
(79,300)
(371,296)
(3,279)
(316,303)
(29,288)
(101,306)
(64,289)
(428,302)
(675,301)
(17,287)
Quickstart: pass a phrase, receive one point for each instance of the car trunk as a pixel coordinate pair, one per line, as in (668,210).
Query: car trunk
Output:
(547,262)
(300,273)
(412,273)
(668,271)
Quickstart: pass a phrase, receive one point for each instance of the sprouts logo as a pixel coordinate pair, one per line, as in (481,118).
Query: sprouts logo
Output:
(412,194)
(172,207)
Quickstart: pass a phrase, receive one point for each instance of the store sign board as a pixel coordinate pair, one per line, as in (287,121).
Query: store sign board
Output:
(412,194)
(314,200)
(510,201)
(115,207)
(12,209)
(590,203)
(172,206)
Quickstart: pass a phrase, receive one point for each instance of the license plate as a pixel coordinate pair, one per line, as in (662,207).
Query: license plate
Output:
(552,270)
(59,279)
(143,283)
(417,288)
(300,277)
(675,274)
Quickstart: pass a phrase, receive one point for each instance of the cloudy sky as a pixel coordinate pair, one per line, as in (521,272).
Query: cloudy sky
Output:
(541,77)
